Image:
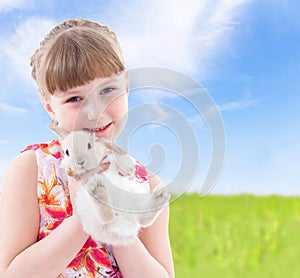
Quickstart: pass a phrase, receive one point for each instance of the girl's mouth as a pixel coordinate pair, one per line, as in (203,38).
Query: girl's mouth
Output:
(100,130)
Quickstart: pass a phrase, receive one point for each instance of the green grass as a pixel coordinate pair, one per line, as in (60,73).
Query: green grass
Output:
(235,236)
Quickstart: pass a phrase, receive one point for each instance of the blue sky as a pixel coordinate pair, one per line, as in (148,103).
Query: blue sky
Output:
(244,53)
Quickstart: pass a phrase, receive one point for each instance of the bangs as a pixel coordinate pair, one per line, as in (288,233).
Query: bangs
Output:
(78,56)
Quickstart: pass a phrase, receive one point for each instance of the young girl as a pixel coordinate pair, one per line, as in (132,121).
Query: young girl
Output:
(83,85)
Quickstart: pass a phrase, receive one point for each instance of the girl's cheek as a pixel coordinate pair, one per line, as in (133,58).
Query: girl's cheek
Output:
(68,121)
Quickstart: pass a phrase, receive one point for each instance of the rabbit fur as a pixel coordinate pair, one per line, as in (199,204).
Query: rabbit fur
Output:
(112,205)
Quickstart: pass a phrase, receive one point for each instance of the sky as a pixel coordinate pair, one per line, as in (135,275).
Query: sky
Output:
(243,54)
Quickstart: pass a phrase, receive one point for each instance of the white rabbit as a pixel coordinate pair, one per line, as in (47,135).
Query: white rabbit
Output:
(111,205)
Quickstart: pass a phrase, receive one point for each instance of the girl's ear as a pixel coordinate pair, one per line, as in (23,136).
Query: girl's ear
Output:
(50,111)
(48,108)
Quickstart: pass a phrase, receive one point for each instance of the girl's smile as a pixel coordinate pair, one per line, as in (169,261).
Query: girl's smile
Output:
(101,130)
(99,106)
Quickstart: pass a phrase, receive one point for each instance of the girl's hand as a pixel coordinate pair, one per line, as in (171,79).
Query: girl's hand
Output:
(74,185)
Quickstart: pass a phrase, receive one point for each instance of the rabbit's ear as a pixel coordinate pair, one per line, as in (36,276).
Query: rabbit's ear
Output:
(93,136)
(114,148)
(62,133)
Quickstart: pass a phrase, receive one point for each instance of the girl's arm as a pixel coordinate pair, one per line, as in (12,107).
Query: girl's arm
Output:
(20,253)
(149,255)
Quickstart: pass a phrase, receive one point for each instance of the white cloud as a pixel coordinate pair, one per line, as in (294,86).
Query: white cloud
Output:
(7,5)
(197,120)
(12,110)
(19,46)
(176,34)
(235,105)
(172,34)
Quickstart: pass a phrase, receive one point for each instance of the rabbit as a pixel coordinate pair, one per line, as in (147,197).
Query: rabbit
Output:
(111,205)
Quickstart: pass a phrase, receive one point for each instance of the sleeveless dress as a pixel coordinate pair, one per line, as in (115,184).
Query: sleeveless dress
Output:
(95,259)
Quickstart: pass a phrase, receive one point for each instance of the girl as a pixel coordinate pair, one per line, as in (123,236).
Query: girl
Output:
(83,85)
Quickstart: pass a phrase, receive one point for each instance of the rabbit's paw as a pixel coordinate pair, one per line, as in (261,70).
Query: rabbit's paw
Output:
(126,165)
(97,189)
(161,196)
(127,171)
(160,199)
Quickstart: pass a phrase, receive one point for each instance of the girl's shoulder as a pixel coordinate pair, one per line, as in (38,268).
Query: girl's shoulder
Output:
(52,148)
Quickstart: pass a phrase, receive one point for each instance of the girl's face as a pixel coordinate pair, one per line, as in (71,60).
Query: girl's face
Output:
(99,106)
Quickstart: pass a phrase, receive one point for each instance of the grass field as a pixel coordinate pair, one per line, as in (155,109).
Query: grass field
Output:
(236,236)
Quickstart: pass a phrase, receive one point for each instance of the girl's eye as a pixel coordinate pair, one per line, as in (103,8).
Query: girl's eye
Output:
(74,99)
(106,90)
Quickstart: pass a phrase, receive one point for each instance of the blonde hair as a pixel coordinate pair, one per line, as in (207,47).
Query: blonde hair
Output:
(74,53)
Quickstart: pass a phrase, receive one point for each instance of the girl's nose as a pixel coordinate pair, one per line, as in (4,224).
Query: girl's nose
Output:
(92,113)
(94,110)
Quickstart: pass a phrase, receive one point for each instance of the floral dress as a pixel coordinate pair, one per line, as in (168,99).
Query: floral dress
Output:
(94,259)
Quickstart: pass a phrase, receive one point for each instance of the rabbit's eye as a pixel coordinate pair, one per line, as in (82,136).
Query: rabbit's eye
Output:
(89,146)
(67,152)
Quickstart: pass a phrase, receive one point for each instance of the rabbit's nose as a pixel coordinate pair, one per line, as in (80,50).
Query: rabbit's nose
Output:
(81,162)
